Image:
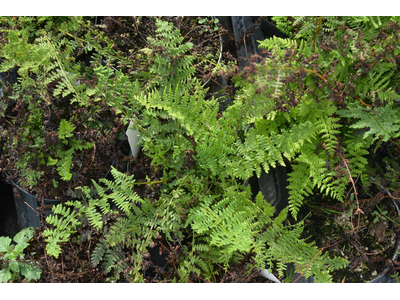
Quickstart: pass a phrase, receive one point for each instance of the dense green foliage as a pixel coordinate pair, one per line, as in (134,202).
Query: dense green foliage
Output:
(320,103)
(205,157)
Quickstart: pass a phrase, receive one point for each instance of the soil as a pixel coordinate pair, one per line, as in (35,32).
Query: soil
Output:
(368,240)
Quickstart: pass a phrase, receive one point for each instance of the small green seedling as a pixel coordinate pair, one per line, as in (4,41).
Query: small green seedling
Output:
(213,23)
(380,215)
(12,262)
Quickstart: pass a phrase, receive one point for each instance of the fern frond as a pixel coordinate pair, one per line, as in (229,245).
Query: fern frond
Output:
(98,253)
(379,122)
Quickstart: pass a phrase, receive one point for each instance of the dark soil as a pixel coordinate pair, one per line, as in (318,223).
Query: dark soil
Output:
(90,164)
(366,240)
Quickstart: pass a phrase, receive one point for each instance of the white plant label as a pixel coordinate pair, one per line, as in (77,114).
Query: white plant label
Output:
(133,139)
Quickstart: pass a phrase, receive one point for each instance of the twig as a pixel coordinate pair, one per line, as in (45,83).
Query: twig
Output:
(31,208)
(309,265)
(72,247)
(390,196)
(94,153)
(358,210)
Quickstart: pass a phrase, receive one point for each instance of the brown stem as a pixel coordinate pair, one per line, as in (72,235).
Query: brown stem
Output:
(358,210)
(76,255)
(316,32)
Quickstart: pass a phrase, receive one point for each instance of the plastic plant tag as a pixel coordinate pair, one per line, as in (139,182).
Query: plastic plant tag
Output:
(269,276)
(133,139)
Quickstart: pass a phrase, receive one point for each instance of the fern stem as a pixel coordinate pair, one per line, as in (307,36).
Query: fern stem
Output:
(363,101)
(316,32)
(177,132)
(358,210)
(73,36)
(154,182)
(316,73)
(304,69)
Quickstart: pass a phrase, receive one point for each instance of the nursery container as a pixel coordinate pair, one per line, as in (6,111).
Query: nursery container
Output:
(2,84)
(8,214)
(27,206)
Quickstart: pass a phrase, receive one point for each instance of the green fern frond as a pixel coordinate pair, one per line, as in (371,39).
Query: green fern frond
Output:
(98,253)
(379,122)
(65,222)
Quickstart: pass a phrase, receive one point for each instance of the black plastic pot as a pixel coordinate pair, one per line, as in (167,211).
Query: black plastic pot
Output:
(8,214)
(240,40)
(249,30)
(28,206)
(9,77)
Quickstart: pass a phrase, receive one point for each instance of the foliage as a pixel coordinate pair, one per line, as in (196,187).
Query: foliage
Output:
(64,160)
(320,103)
(134,229)
(204,161)
(12,262)
(209,22)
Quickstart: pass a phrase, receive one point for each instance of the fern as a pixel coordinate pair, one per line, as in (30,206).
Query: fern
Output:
(52,89)
(283,24)
(228,234)
(173,65)
(65,222)
(356,149)
(64,157)
(98,253)
(19,52)
(313,168)
(134,230)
